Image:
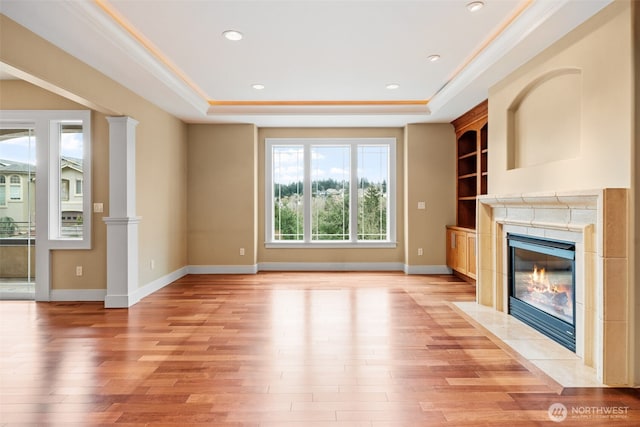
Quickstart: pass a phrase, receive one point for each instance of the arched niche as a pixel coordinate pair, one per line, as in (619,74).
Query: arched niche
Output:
(544,120)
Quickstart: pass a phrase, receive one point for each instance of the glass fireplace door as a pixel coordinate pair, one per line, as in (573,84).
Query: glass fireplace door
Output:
(545,282)
(542,286)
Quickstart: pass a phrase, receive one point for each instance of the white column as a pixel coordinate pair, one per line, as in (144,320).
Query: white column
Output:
(122,222)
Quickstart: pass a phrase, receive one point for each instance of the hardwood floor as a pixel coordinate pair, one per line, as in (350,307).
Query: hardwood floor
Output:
(280,349)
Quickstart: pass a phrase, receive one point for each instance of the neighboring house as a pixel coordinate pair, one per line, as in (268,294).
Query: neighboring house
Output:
(17,201)
(71,182)
(17,194)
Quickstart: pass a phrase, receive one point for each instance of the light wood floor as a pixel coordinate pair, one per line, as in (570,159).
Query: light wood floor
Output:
(280,349)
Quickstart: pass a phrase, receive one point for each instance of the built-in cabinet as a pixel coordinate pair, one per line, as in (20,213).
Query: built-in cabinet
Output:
(461,250)
(471,180)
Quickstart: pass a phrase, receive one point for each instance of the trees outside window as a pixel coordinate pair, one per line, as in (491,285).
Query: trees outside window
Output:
(332,191)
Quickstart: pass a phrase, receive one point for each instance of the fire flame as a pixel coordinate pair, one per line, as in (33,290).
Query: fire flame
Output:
(538,276)
(540,281)
(551,292)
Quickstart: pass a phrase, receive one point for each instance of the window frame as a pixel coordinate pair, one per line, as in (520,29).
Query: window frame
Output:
(46,125)
(353,242)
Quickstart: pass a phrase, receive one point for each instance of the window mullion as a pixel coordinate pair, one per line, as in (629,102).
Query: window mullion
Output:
(269,193)
(307,193)
(353,194)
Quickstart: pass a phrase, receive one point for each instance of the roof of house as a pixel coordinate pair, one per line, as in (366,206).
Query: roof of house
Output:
(13,166)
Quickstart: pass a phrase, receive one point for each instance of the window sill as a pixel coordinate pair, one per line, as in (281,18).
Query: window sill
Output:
(330,245)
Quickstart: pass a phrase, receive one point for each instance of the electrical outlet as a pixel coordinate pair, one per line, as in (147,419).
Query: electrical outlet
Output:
(152,264)
(422,205)
(242,251)
(78,270)
(420,252)
(98,207)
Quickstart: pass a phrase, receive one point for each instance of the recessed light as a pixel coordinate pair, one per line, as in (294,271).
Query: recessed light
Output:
(433,58)
(257,86)
(393,86)
(232,35)
(475,6)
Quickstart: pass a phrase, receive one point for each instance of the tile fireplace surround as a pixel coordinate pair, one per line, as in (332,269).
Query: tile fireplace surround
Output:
(598,222)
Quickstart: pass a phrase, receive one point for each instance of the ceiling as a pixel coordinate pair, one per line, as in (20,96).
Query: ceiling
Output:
(322,62)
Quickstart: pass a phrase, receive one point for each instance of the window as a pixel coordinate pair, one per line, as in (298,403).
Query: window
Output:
(3,190)
(70,138)
(64,190)
(330,191)
(15,188)
(63,150)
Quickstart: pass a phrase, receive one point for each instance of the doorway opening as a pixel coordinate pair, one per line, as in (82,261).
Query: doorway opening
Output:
(17,212)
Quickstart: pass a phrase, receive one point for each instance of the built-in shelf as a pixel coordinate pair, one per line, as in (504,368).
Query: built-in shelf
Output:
(472,162)
(469,175)
(472,156)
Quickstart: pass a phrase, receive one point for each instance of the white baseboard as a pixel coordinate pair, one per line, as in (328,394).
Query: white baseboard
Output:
(318,266)
(17,296)
(77,294)
(116,300)
(159,283)
(330,266)
(426,269)
(222,269)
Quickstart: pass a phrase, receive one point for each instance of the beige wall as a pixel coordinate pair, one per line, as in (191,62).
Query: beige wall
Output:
(226,196)
(222,193)
(160,155)
(605,134)
(161,192)
(429,165)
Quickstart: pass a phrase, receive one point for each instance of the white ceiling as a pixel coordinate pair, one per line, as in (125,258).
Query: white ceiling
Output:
(323,62)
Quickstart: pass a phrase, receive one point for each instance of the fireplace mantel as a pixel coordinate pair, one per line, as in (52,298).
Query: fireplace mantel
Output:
(597,221)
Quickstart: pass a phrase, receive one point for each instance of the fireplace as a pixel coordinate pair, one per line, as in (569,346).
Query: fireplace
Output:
(597,223)
(542,286)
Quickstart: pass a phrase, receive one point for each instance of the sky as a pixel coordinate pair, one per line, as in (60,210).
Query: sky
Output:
(22,149)
(330,162)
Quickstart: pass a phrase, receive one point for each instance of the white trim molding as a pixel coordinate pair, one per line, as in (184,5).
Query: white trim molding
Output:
(222,269)
(330,266)
(122,224)
(160,283)
(427,269)
(78,294)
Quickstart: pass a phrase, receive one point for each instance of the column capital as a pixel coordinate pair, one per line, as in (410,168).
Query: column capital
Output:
(122,119)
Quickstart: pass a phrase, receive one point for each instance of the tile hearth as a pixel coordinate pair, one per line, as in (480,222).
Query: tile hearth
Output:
(559,363)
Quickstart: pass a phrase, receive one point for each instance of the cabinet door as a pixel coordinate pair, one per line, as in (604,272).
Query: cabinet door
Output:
(471,255)
(461,252)
(451,248)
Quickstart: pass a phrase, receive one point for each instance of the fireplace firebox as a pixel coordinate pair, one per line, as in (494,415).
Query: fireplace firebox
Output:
(542,286)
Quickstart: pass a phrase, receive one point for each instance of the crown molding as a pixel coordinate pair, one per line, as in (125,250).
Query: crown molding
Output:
(95,13)
(312,108)
(512,35)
